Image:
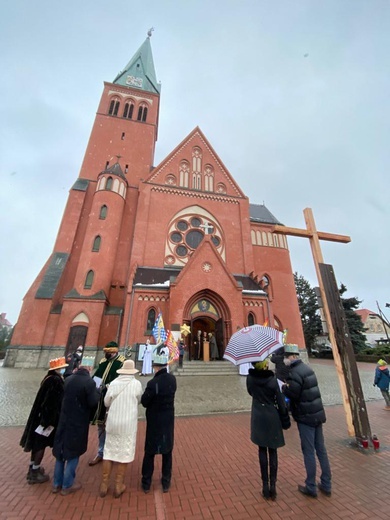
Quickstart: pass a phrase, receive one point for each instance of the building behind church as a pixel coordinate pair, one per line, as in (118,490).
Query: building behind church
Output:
(180,238)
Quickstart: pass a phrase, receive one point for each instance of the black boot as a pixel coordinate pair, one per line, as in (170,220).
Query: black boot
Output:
(272,490)
(266,490)
(37,477)
(273,471)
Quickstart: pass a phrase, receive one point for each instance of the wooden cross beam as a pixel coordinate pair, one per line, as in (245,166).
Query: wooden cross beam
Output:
(314,237)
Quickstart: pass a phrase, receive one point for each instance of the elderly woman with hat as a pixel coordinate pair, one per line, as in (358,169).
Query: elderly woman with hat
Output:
(43,420)
(382,380)
(122,399)
(269,417)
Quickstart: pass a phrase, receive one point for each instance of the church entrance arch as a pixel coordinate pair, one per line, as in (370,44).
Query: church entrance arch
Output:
(206,313)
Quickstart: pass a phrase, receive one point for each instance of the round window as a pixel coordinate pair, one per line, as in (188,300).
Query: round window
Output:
(182,225)
(194,238)
(181,251)
(195,222)
(176,237)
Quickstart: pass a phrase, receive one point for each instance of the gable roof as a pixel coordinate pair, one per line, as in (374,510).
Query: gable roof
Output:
(181,152)
(365,313)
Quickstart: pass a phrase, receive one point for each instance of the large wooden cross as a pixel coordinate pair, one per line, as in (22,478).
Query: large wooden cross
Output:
(314,237)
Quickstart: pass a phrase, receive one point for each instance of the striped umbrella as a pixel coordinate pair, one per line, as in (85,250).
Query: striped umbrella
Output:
(251,344)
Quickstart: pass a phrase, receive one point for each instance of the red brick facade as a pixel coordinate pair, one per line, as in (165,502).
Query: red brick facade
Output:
(180,238)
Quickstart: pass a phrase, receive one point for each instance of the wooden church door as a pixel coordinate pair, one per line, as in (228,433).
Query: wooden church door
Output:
(77,337)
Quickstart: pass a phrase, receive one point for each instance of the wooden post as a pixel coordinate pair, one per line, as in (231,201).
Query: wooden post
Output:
(345,352)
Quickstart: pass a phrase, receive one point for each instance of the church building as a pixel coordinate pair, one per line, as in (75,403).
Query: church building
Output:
(180,238)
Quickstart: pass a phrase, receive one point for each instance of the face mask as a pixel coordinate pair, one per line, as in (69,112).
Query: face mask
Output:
(107,355)
(287,361)
(62,371)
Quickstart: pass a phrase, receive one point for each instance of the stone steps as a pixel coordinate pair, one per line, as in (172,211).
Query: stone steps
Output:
(213,368)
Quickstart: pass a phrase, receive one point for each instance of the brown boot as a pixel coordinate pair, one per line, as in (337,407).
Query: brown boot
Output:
(106,473)
(119,478)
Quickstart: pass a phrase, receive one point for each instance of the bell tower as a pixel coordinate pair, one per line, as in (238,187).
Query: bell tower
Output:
(83,283)
(126,122)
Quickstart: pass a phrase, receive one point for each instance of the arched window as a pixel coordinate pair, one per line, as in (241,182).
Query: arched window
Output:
(142,113)
(103,212)
(96,243)
(184,169)
(251,319)
(109,184)
(209,178)
(114,107)
(89,280)
(150,321)
(128,111)
(196,181)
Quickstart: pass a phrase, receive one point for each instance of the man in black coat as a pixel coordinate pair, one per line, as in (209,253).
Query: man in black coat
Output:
(80,398)
(308,411)
(158,399)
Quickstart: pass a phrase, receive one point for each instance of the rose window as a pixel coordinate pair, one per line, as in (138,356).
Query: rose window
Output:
(187,233)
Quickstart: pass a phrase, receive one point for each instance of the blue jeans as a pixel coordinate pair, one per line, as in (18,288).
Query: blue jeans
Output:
(65,472)
(101,438)
(312,443)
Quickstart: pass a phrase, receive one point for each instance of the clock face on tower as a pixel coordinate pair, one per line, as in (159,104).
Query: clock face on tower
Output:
(133,81)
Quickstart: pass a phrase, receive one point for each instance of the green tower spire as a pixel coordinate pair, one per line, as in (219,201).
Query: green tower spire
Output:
(139,72)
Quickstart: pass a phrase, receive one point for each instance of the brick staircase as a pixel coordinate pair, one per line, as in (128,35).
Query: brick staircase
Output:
(213,368)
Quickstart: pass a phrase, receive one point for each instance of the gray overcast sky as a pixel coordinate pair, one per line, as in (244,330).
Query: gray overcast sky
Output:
(293,96)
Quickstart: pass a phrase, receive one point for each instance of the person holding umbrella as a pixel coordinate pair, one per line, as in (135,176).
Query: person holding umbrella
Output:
(269,417)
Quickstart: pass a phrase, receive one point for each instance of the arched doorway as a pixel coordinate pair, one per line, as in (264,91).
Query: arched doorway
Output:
(206,313)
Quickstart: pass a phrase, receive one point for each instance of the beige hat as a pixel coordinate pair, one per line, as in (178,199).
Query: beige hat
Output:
(128,368)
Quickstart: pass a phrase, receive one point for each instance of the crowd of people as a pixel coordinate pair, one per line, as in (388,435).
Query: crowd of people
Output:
(68,402)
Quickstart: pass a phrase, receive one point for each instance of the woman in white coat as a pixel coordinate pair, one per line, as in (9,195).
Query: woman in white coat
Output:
(122,399)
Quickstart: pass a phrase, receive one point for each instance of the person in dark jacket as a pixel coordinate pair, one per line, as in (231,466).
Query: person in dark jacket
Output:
(107,372)
(269,417)
(158,399)
(44,415)
(74,361)
(71,440)
(382,380)
(308,411)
